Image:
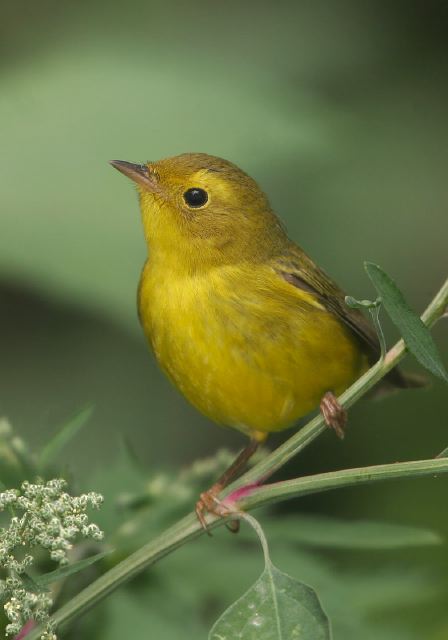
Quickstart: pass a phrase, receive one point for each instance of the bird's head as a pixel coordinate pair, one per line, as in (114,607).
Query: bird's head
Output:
(200,211)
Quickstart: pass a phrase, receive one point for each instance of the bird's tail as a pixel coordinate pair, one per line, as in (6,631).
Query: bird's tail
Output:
(406,380)
(396,380)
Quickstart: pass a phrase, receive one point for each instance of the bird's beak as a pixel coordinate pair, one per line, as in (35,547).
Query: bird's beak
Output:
(139,173)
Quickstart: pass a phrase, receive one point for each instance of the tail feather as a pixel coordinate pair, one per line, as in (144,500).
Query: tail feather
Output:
(396,380)
(406,380)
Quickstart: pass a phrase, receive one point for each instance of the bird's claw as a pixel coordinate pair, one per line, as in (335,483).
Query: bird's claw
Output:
(210,503)
(334,414)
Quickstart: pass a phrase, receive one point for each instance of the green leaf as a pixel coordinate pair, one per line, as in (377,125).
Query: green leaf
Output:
(69,569)
(30,583)
(66,433)
(416,335)
(361,603)
(276,607)
(325,532)
(353,303)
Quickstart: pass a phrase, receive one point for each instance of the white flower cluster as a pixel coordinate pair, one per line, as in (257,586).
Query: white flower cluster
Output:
(43,515)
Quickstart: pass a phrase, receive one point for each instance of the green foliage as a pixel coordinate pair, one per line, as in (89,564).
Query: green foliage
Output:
(68,570)
(331,533)
(186,593)
(183,596)
(63,436)
(17,463)
(276,607)
(416,335)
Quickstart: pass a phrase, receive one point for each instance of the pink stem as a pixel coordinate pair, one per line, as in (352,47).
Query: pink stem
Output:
(25,629)
(242,492)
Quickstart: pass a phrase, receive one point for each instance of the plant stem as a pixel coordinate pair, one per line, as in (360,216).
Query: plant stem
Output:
(304,486)
(181,532)
(189,528)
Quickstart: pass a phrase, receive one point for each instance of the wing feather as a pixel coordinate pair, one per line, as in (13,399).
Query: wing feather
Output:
(297,268)
(300,271)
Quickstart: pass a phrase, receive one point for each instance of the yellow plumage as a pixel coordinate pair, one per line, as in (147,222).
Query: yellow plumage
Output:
(244,323)
(245,347)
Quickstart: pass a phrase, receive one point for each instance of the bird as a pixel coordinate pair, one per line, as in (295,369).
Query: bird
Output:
(243,322)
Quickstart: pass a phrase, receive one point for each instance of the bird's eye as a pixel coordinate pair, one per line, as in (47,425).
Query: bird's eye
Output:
(195,197)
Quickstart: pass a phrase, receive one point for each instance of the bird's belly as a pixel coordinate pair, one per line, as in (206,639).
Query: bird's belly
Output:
(254,372)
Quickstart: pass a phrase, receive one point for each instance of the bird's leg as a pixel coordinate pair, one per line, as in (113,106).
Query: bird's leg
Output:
(209,502)
(334,414)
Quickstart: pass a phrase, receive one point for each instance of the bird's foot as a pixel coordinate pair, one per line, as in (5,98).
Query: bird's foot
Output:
(210,503)
(334,414)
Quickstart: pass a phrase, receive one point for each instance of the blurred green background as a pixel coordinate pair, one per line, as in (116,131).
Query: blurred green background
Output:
(339,110)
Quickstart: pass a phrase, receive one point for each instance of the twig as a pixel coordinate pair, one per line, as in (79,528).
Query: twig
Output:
(189,528)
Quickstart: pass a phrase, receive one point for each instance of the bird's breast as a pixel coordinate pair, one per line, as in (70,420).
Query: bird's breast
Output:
(241,348)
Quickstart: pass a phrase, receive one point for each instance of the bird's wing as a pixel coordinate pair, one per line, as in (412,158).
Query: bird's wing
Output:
(300,271)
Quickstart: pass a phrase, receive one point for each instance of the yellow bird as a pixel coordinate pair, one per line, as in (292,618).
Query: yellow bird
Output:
(245,324)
